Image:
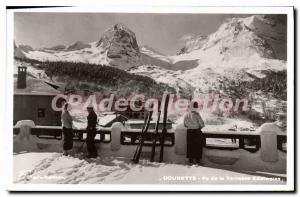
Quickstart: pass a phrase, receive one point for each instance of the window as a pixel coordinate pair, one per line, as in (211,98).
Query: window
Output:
(41,112)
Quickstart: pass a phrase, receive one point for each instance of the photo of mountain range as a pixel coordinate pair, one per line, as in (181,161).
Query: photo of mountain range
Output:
(151,98)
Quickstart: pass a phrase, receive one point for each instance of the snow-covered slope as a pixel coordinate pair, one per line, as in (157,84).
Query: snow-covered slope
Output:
(151,57)
(241,49)
(146,50)
(92,54)
(170,77)
(117,47)
(264,35)
(52,168)
(77,46)
(193,43)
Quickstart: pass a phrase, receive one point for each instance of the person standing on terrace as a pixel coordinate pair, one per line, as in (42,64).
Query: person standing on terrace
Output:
(91,132)
(67,130)
(195,141)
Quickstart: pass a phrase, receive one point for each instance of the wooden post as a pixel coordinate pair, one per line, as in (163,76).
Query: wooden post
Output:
(180,139)
(25,141)
(241,142)
(268,138)
(116,130)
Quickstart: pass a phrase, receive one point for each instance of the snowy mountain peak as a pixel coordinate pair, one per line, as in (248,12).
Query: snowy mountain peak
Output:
(258,34)
(121,26)
(118,33)
(116,47)
(239,43)
(242,49)
(121,46)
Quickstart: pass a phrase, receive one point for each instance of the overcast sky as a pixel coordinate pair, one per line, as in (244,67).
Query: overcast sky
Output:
(163,32)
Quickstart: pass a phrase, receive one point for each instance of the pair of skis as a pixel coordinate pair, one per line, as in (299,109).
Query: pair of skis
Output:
(140,145)
(154,137)
(164,129)
(141,138)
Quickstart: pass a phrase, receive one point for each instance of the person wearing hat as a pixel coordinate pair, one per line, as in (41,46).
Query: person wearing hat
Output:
(67,130)
(195,141)
(91,133)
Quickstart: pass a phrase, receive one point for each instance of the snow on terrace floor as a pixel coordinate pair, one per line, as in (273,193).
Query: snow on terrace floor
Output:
(54,168)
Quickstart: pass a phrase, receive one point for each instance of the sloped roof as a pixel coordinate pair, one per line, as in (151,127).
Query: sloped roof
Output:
(35,87)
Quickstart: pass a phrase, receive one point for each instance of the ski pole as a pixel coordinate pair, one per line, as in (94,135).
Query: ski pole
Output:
(81,147)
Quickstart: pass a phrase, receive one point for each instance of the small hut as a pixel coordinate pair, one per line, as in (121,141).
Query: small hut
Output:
(33,98)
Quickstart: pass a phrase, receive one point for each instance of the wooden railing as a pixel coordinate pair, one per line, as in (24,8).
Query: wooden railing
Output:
(249,141)
(55,132)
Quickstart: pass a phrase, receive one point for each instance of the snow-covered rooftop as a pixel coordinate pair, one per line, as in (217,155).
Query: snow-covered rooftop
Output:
(35,87)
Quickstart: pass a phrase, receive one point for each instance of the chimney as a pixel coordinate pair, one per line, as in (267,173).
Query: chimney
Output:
(21,77)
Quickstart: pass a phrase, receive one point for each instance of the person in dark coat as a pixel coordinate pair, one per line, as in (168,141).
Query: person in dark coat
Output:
(195,141)
(67,130)
(91,133)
